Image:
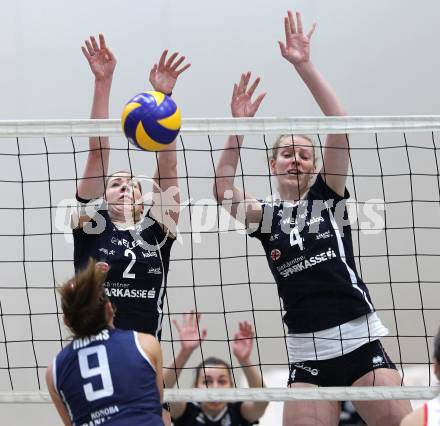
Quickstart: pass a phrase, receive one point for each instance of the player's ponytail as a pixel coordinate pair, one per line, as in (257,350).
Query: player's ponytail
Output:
(83,301)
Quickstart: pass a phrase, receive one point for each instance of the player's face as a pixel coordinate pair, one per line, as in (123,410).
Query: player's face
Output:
(214,377)
(295,163)
(123,193)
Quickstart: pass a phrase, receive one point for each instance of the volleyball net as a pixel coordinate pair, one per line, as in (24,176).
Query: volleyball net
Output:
(215,268)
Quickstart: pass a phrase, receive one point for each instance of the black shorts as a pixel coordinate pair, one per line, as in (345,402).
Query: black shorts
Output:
(343,370)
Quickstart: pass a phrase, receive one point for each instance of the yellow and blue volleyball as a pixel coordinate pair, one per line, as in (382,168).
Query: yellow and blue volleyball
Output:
(151,120)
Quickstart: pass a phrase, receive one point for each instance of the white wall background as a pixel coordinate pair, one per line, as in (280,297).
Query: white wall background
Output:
(382,58)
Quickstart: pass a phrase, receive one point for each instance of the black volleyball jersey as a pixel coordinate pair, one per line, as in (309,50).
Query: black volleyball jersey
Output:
(309,249)
(230,416)
(138,260)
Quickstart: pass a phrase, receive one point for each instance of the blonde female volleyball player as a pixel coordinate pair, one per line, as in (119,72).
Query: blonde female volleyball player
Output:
(214,373)
(104,375)
(116,231)
(429,414)
(333,329)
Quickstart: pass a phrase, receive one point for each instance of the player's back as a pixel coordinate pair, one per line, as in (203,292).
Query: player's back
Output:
(108,379)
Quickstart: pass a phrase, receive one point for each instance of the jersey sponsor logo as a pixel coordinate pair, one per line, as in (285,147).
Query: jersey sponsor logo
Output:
(309,263)
(323,235)
(290,263)
(103,250)
(84,341)
(289,221)
(377,360)
(312,371)
(275,254)
(313,220)
(125,243)
(292,375)
(131,293)
(156,271)
(274,237)
(104,414)
(147,254)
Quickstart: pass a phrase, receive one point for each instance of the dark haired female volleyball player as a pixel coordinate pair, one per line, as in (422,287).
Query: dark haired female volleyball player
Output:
(333,330)
(105,375)
(136,246)
(215,373)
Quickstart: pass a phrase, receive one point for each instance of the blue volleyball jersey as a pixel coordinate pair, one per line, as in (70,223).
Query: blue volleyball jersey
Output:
(229,416)
(107,379)
(310,253)
(138,259)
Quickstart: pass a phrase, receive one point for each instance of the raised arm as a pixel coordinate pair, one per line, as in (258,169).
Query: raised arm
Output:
(190,337)
(296,50)
(225,192)
(163,77)
(243,344)
(102,63)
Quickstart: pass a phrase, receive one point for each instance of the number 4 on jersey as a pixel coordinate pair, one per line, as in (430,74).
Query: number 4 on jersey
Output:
(296,239)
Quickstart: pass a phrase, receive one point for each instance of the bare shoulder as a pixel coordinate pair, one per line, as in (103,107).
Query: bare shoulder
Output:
(148,339)
(149,344)
(416,418)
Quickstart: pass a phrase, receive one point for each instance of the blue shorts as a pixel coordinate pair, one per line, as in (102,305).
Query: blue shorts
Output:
(343,370)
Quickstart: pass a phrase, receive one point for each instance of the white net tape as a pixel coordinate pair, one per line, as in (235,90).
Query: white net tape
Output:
(265,394)
(227,126)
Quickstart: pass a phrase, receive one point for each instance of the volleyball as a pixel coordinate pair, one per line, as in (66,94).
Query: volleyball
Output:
(151,120)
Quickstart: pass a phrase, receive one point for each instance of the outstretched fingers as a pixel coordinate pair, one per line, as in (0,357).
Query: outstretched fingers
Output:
(311,31)
(183,69)
(162,60)
(254,85)
(298,22)
(257,102)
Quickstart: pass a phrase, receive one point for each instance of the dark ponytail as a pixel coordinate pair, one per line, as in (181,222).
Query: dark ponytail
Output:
(83,300)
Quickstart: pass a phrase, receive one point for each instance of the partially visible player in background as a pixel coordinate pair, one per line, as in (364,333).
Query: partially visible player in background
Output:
(115,230)
(104,375)
(333,329)
(214,373)
(429,413)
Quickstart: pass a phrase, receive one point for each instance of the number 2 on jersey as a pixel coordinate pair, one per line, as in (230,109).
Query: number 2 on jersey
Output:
(102,369)
(127,273)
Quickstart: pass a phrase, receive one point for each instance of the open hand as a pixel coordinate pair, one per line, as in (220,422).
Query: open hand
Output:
(296,49)
(190,335)
(163,76)
(241,103)
(243,342)
(101,60)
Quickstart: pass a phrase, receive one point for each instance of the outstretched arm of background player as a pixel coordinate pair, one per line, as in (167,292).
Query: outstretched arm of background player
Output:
(59,405)
(230,196)
(166,208)
(190,337)
(243,345)
(296,50)
(102,63)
